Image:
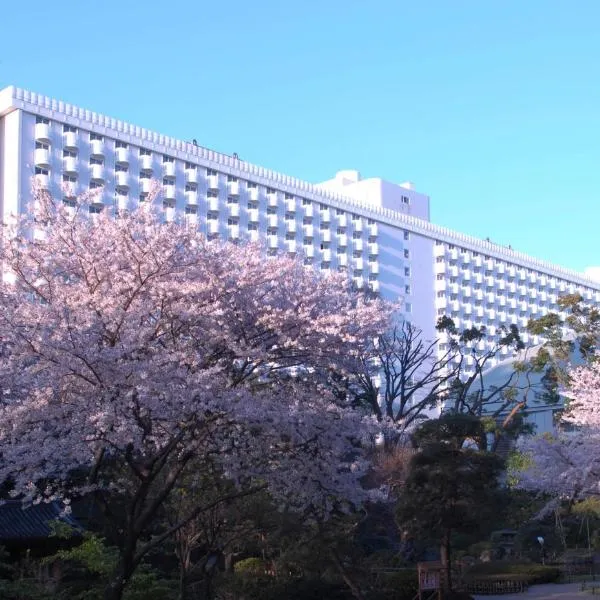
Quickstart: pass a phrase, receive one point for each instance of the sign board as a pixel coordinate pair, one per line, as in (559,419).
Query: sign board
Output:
(430,578)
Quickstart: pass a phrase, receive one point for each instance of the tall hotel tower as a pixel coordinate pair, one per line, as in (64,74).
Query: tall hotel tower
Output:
(379,231)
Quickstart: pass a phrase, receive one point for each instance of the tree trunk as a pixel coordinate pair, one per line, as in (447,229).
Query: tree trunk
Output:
(348,580)
(122,573)
(445,559)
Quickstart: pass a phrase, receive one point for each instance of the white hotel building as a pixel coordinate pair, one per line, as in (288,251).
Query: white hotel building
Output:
(378,230)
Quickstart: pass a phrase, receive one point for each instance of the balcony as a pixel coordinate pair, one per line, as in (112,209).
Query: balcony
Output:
(290,205)
(342,220)
(97,173)
(342,260)
(70,165)
(358,263)
(233,232)
(169,169)
(308,210)
(309,231)
(70,141)
(146,163)
(254,194)
(325,235)
(122,156)
(97,149)
(272,199)
(373,229)
(374,285)
(212,226)
(234,209)
(41,157)
(122,179)
(326,255)
(191,198)
(233,188)
(272,241)
(359,281)
(374,267)
(272,220)
(358,225)
(212,182)
(326,215)
(213,204)
(290,246)
(42,181)
(253,215)
(440,285)
(191,176)
(146,185)
(358,244)
(291,226)
(254,235)
(42,132)
(309,251)
(342,240)
(169,192)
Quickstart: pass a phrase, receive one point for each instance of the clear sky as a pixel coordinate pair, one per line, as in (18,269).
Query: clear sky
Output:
(492,107)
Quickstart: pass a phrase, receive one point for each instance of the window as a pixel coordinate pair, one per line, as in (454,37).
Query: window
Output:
(212,194)
(405,200)
(231,179)
(189,165)
(407,289)
(95,136)
(42,145)
(96,161)
(306,202)
(290,235)
(307,220)
(168,159)
(119,144)
(356,217)
(270,191)
(439,259)
(232,221)
(406,271)
(143,197)
(252,226)
(339,212)
(167,181)
(69,153)
(356,235)
(191,210)
(371,222)
(271,210)
(94,185)
(69,129)
(42,120)
(41,171)
(341,230)
(95,209)
(406,235)
(251,185)
(211,172)
(144,152)
(440,277)
(289,196)
(406,253)
(69,178)
(190,187)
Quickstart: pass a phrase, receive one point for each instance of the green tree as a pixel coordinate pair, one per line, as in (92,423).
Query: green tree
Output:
(451,487)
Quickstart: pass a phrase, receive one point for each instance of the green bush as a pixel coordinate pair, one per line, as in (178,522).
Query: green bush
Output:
(529,573)
(396,585)
(250,566)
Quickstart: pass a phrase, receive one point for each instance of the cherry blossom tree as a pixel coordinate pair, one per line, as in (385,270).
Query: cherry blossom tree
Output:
(136,355)
(568,464)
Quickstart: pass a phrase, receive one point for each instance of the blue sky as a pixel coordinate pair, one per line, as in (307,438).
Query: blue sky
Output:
(490,106)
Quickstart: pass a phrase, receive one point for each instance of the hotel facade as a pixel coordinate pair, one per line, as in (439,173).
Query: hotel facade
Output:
(377,230)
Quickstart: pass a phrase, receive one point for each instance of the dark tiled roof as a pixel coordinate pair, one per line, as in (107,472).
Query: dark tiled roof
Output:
(18,523)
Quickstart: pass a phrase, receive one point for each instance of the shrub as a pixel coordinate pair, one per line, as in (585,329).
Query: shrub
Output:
(529,573)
